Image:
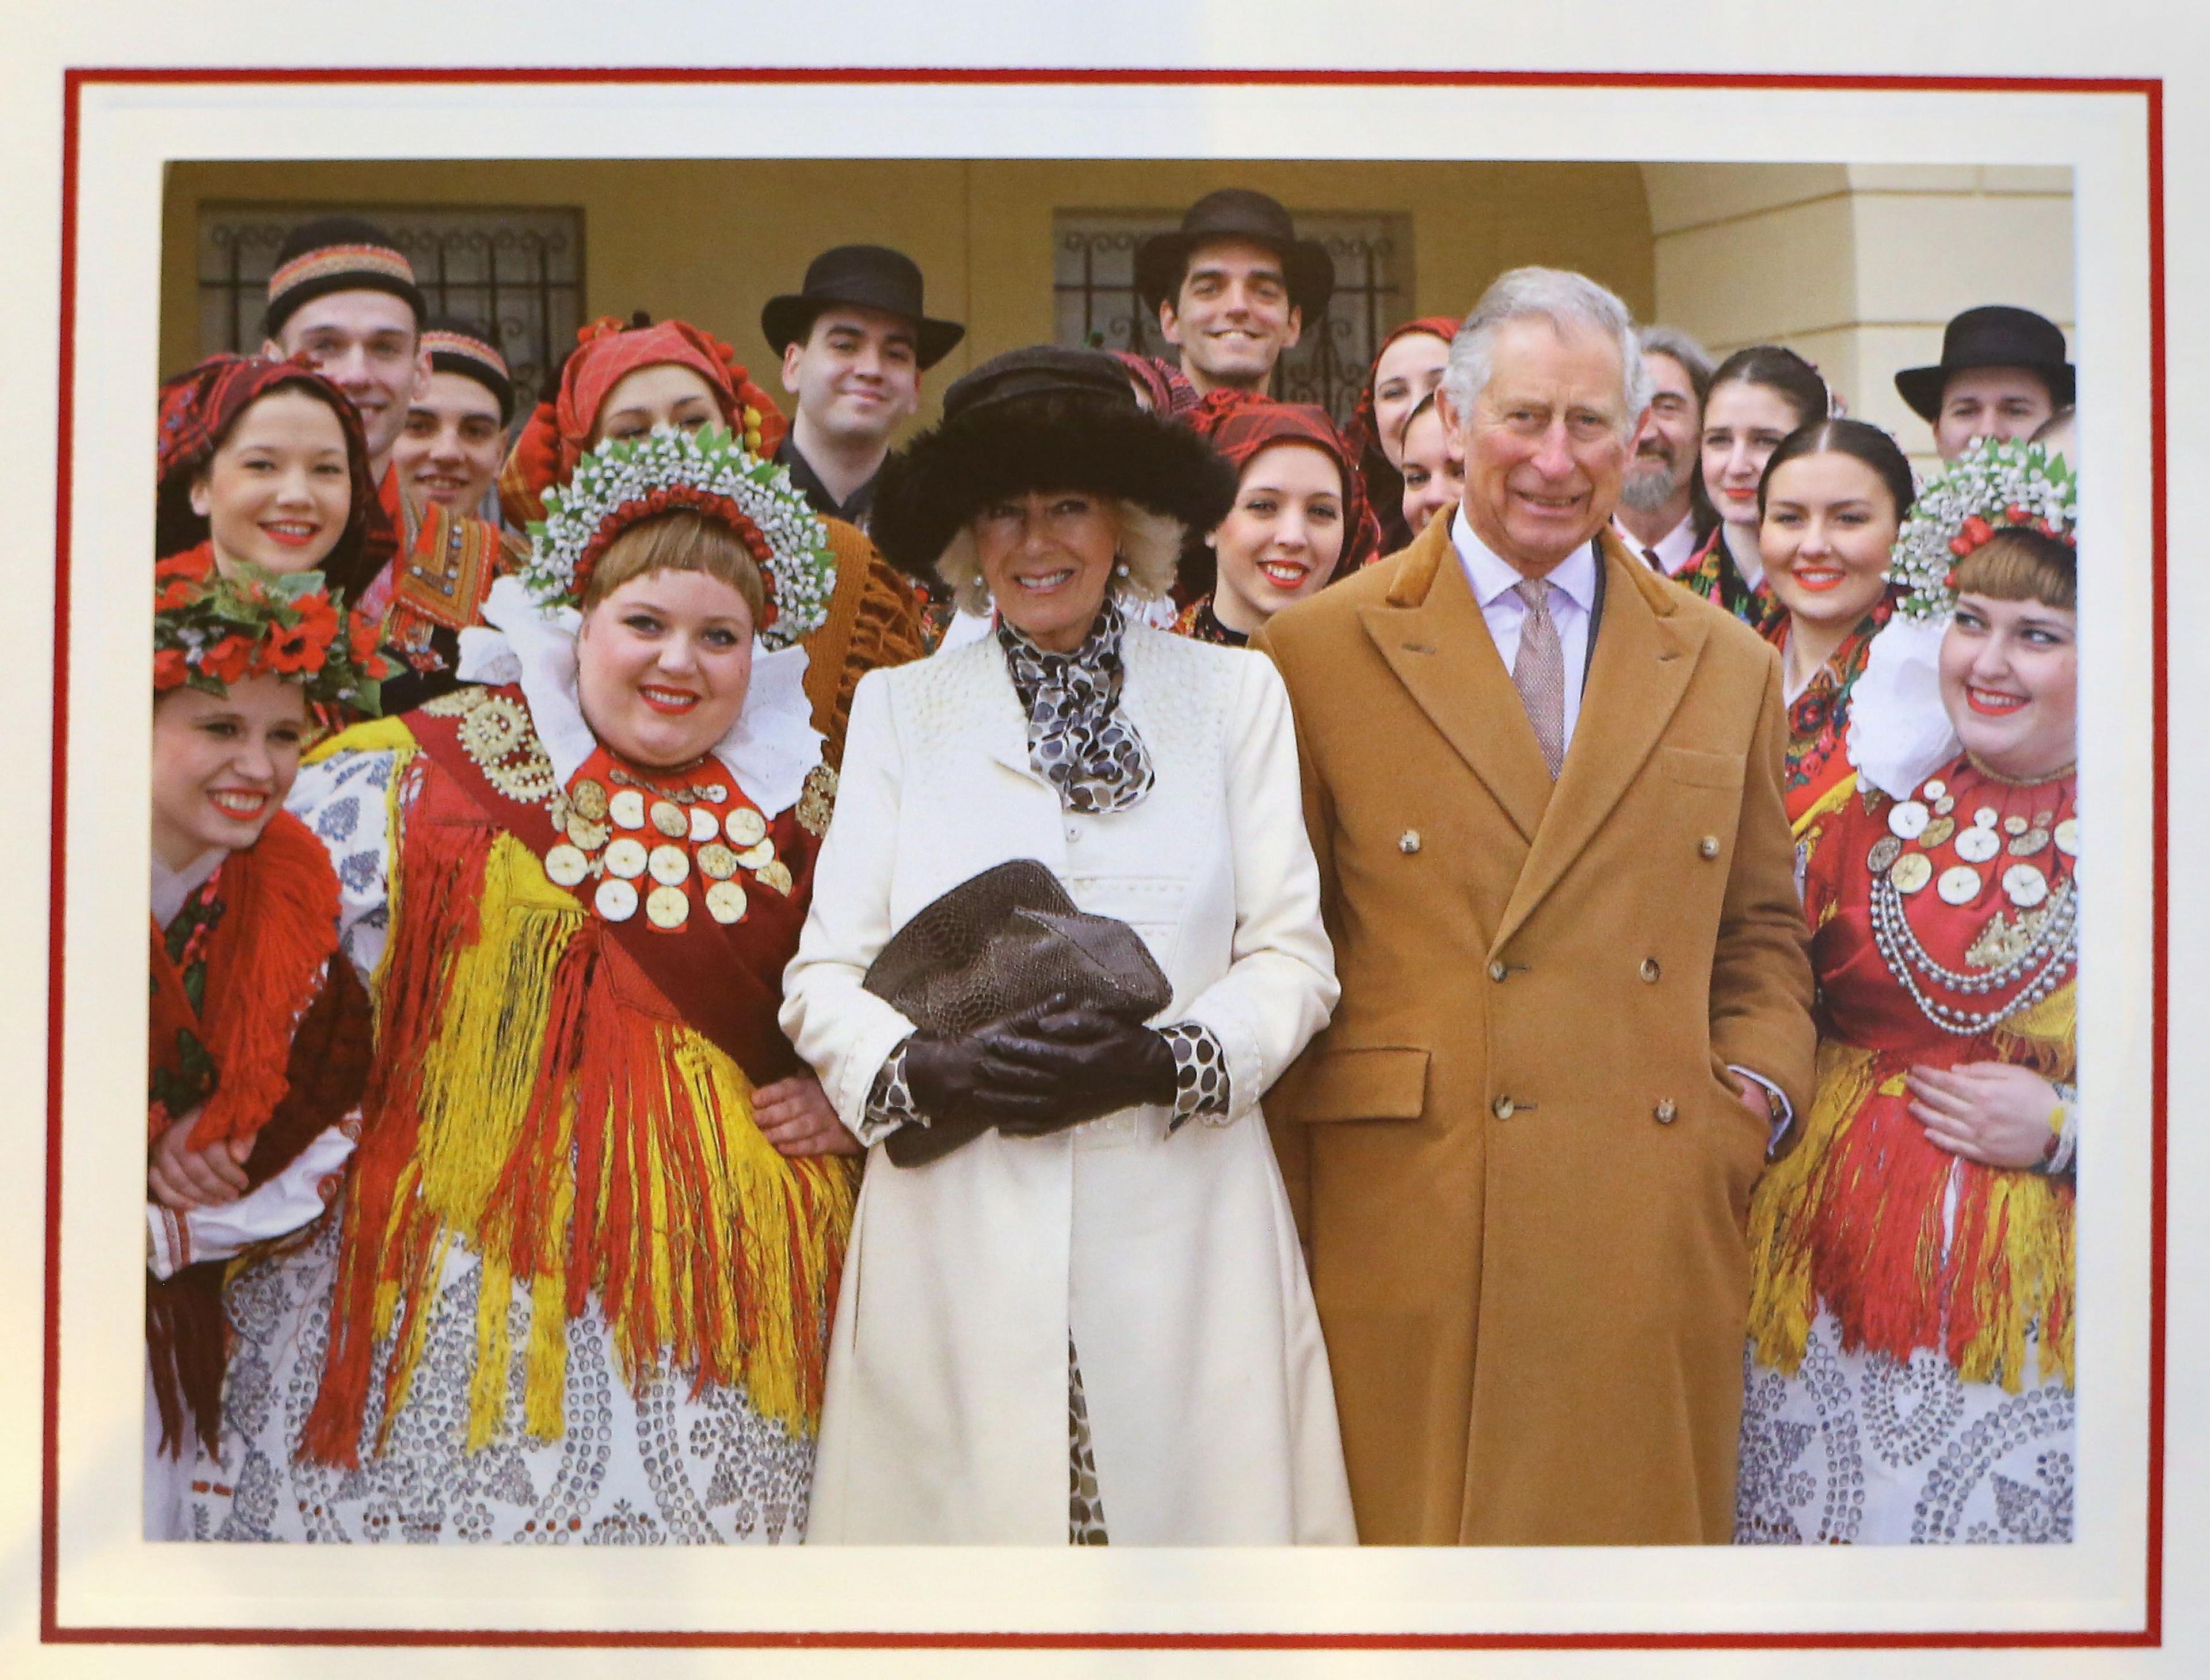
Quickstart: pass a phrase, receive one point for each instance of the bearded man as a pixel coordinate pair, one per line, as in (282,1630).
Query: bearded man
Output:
(1660,517)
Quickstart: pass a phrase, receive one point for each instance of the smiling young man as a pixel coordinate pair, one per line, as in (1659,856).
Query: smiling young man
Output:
(1233,288)
(1542,785)
(2002,374)
(455,437)
(343,295)
(855,342)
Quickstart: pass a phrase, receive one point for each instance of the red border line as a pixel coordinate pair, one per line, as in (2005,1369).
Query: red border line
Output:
(56,908)
(74,80)
(969,77)
(2161,821)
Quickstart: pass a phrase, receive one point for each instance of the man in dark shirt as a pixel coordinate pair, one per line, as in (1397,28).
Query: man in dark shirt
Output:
(854,343)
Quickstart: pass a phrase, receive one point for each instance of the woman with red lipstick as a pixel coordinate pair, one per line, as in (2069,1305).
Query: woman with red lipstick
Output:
(1831,499)
(1299,519)
(580,1282)
(1912,1323)
(263,463)
(1757,398)
(621,382)
(257,1035)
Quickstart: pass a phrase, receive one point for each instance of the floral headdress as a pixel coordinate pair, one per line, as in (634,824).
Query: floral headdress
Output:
(1999,485)
(626,480)
(211,631)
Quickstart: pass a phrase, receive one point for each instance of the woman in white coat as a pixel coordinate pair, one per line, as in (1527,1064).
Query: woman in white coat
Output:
(1072,1328)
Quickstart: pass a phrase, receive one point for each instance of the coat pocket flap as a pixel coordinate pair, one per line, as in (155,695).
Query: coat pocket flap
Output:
(1378,1084)
(1700,768)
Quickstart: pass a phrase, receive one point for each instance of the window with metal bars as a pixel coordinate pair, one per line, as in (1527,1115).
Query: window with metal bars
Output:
(1094,288)
(516,272)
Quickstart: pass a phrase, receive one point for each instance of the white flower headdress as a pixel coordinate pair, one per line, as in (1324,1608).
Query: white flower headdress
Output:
(625,481)
(1998,485)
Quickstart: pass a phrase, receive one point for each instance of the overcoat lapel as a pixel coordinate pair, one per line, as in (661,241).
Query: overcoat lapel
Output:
(1001,722)
(1637,672)
(1433,637)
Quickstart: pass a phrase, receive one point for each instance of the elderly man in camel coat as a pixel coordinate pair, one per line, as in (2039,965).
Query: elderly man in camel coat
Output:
(1543,787)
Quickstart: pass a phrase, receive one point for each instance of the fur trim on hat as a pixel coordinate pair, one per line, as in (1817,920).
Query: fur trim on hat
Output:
(931,488)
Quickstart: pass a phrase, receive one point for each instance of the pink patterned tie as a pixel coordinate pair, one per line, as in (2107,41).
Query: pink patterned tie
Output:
(1538,672)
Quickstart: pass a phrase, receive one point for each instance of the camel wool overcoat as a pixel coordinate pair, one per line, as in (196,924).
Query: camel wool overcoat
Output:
(1515,1155)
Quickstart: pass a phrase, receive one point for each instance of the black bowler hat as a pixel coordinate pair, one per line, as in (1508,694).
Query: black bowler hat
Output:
(337,253)
(1994,336)
(1235,213)
(871,276)
(456,346)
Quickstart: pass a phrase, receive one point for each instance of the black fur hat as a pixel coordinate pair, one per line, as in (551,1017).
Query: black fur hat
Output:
(1042,418)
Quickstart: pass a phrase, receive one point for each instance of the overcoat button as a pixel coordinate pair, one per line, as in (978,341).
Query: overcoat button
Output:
(1409,842)
(1501,1108)
(1708,846)
(1497,972)
(1664,1111)
(1649,970)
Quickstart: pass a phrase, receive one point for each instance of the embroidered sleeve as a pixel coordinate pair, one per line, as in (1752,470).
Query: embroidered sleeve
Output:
(294,1196)
(345,800)
(889,1100)
(1201,1089)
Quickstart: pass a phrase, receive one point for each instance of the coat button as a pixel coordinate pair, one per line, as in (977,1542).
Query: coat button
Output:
(1409,842)
(1501,1108)
(1497,972)
(1649,971)
(1664,1111)
(1708,846)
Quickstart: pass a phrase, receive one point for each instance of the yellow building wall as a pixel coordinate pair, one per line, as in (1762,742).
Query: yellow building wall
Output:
(1857,266)
(712,240)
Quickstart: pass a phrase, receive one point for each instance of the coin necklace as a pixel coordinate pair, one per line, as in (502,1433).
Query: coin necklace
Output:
(2036,955)
(643,840)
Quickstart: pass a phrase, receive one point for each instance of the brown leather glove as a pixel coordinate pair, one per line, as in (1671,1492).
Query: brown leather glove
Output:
(1083,1063)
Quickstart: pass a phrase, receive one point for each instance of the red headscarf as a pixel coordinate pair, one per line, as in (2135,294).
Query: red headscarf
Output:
(558,432)
(199,409)
(1172,395)
(1240,423)
(1363,438)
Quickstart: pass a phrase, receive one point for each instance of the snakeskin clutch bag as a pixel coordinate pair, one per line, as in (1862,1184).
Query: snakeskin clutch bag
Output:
(996,945)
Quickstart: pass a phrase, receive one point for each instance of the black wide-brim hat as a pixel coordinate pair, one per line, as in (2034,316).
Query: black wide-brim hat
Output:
(1041,418)
(871,277)
(1235,213)
(1994,336)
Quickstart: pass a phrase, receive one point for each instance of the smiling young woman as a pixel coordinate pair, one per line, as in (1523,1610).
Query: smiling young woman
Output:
(1919,1238)
(257,1033)
(619,384)
(1757,396)
(594,1173)
(1831,501)
(1300,519)
(263,463)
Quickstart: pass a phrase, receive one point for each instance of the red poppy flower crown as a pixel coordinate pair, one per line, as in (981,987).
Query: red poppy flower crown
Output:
(211,631)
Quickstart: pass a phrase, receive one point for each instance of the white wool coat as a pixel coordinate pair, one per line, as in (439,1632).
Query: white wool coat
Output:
(1172,1260)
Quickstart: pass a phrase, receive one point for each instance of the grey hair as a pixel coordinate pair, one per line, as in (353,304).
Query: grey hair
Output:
(1563,298)
(1149,544)
(1672,341)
